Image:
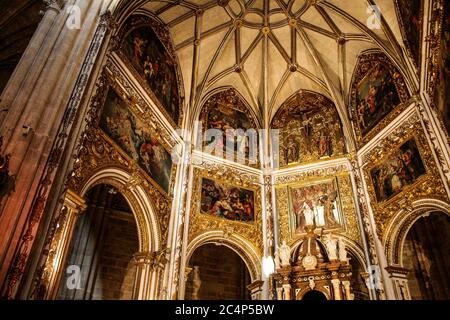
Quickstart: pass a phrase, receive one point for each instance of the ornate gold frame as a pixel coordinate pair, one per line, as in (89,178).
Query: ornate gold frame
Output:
(232,97)
(429,185)
(200,222)
(350,226)
(364,62)
(163,35)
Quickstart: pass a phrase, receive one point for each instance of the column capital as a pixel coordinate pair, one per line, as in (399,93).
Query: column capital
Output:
(155,259)
(74,201)
(55,5)
(397,271)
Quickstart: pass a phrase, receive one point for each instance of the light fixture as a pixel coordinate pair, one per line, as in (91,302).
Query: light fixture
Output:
(268,266)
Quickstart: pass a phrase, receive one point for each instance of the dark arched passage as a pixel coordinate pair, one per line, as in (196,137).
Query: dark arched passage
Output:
(217,273)
(101,250)
(425,255)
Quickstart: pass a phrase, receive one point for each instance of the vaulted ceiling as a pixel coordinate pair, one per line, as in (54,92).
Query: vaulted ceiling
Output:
(270,49)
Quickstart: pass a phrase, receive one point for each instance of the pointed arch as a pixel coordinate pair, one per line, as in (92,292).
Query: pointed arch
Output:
(377,94)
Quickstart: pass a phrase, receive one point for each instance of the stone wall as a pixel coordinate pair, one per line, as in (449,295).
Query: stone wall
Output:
(116,270)
(223,274)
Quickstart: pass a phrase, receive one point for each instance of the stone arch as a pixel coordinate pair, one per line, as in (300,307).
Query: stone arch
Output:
(402,223)
(234,242)
(299,295)
(141,204)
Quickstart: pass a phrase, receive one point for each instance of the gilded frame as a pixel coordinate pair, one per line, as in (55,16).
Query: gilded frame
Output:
(200,222)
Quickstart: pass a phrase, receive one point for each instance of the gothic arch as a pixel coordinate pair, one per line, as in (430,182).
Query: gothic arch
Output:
(402,223)
(139,18)
(304,120)
(141,204)
(222,93)
(387,75)
(236,243)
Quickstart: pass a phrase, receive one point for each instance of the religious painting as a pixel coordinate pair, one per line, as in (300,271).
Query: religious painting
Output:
(227,202)
(229,128)
(376,96)
(410,15)
(136,140)
(155,65)
(443,88)
(317,204)
(399,170)
(309,129)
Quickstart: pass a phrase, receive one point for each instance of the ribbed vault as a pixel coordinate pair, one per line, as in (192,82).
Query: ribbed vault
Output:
(270,49)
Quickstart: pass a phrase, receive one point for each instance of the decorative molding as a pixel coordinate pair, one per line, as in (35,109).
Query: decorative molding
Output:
(200,223)
(425,186)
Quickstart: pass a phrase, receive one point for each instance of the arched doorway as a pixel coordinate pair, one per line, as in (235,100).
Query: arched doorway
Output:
(314,295)
(425,255)
(100,263)
(217,273)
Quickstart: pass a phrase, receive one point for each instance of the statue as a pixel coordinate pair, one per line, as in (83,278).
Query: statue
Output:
(285,254)
(196,283)
(331,244)
(342,250)
(308,213)
(277,261)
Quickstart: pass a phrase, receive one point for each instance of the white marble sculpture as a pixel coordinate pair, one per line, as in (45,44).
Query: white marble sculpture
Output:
(308,213)
(196,283)
(342,250)
(285,254)
(331,244)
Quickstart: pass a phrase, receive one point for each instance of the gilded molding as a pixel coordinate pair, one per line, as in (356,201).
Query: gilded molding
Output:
(200,223)
(350,226)
(429,185)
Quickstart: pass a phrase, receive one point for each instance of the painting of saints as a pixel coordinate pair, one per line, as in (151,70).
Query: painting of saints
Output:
(325,145)
(155,65)
(376,97)
(400,169)
(291,151)
(231,203)
(316,204)
(132,136)
(228,120)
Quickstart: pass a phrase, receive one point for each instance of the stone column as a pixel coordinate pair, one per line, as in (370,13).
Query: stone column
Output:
(287,291)
(348,293)
(255,289)
(73,206)
(37,97)
(148,267)
(399,279)
(279,293)
(336,289)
